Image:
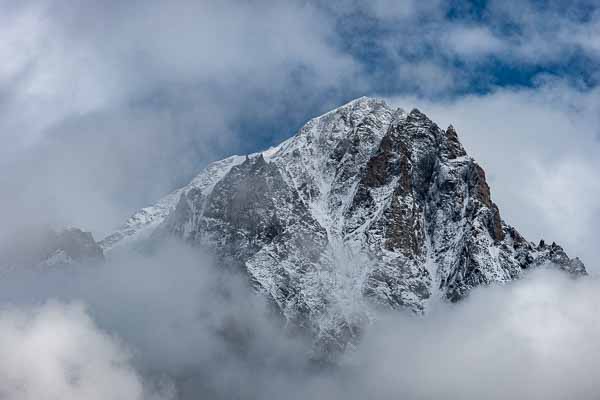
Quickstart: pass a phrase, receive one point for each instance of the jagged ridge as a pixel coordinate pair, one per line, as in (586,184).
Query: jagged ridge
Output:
(364,205)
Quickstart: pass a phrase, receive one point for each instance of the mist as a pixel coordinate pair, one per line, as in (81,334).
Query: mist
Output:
(106,107)
(532,339)
(169,324)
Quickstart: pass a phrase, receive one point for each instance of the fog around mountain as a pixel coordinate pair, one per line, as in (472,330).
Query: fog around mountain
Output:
(106,107)
(170,326)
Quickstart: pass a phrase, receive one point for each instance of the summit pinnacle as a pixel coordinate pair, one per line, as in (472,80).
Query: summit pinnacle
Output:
(366,205)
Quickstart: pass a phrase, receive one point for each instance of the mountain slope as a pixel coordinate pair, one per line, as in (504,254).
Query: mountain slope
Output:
(365,205)
(42,247)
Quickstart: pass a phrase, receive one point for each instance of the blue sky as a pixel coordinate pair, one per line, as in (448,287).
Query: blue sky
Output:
(292,59)
(108,106)
(450,49)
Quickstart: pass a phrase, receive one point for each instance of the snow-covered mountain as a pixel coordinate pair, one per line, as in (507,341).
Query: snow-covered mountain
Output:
(366,205)
(42,247)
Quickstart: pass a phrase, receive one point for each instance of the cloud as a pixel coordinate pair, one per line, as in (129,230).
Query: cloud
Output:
(64,62)
(112,119)
(531,339)
(427,77)
(178,325)
(566,195)
(478,45)
(56,351)
(471,42)
(551,33)
(168,325)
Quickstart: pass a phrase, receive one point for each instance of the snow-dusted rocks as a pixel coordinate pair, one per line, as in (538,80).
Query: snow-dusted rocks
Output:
(365,205)
(141,224)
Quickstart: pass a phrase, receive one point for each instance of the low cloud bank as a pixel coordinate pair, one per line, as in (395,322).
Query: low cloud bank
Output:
(171,326)
(533,339)
(55,351)
(177,325)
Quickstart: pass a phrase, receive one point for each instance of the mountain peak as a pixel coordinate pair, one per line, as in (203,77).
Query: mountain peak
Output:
(364,101)
(415,112)
(365,206)
(357,108)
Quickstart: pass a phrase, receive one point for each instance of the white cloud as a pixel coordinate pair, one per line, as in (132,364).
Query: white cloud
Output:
(63,61)
(56,352)
(476,41)
(46,77)
(548,33)
(112,119)
(427,77)
(533,339)
(567,193)
(404,10)
(193,330)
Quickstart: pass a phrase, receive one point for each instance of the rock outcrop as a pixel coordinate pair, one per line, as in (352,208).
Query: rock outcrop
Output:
(365,205)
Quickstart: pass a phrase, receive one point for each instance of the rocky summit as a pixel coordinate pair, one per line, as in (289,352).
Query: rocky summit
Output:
(365,206)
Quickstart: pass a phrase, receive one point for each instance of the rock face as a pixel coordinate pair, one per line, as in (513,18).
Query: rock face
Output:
(364,205)
(43,247)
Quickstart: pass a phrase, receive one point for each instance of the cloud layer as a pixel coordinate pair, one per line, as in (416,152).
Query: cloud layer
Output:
(56,352)
(170,326)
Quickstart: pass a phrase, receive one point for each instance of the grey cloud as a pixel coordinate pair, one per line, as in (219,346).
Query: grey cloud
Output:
(173,85)
(533,339)
(472,42)
(164,324)
(69,62)
(109,107)
(546,34)
(55,351)
(168,325)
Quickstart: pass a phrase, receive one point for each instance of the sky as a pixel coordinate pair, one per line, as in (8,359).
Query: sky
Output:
(107,106)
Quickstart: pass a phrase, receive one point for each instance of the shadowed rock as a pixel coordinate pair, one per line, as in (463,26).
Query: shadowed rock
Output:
(365,205)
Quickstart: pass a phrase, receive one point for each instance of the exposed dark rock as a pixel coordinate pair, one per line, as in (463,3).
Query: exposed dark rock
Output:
(364,205)
(454,148)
